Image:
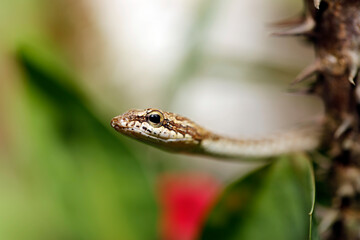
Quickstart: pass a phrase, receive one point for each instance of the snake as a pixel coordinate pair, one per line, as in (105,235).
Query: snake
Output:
(175,133)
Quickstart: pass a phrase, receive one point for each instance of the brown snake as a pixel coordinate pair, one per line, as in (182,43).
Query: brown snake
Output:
(172,132)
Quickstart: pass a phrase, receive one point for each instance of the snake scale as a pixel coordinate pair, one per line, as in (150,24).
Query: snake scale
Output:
(172,132)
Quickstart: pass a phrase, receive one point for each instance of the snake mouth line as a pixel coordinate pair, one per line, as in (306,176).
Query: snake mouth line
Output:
(141,135)
(132,131)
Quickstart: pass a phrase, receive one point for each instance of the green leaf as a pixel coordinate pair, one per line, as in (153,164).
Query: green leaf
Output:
(272,202)
(74,178)
(313,235)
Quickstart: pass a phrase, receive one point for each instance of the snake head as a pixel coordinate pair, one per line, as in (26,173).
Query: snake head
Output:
(161,129)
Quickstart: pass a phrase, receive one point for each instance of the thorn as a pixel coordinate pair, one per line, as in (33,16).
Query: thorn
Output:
(298,28)
(353,66)
(351,80)
(287,22)
(307,72)
(317,3)
(344,126)
(328,219)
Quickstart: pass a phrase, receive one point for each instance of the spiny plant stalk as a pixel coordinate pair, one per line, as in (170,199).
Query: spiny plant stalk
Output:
(333,26)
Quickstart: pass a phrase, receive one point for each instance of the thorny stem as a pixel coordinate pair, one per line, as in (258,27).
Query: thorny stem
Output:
(336,39)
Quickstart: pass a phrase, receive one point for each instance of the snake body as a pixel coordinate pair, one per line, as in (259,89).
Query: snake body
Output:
(172,132)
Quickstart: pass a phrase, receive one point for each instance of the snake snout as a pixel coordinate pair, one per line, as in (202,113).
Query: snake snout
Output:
(115,122)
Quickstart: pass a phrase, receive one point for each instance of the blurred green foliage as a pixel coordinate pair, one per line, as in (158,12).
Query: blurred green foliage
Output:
(78,180)
(272,202)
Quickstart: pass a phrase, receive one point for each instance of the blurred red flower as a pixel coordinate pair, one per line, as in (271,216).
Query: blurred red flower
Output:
(185,199)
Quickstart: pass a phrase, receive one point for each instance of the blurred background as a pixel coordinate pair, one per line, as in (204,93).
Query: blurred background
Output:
(67,67)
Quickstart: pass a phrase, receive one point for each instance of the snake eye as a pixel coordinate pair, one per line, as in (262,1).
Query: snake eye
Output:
(155,118)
